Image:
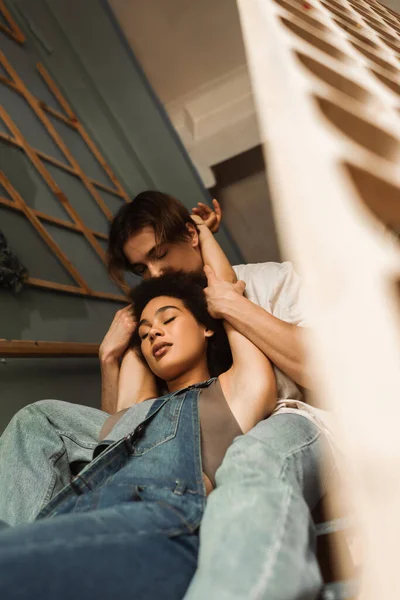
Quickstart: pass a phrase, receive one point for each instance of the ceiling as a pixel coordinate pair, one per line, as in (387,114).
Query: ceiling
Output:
(182,44)
(193,55)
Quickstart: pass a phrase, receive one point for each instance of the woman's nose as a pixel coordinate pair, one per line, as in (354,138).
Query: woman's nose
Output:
(155,332)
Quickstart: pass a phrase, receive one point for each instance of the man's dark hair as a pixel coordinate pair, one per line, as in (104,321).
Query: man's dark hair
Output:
(165,214)
(189,288)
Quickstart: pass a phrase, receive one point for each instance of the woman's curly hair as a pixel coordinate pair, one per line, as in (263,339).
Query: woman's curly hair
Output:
(189,288)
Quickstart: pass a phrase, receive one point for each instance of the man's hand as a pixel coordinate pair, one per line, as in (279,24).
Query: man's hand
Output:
(118,336)
(218,293)
(211,218)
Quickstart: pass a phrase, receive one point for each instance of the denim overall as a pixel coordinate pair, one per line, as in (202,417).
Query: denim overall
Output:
(128,523)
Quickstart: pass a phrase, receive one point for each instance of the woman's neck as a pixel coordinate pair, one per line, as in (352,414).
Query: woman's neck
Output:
(196,375)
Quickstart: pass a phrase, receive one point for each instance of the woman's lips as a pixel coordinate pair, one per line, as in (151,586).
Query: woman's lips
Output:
(159,351)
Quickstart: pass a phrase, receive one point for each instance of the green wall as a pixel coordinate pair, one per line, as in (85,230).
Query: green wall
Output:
(79,43)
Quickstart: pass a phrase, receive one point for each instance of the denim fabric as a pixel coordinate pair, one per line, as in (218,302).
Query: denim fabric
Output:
(36,451)
(128,523)
(257,538)
(257,535)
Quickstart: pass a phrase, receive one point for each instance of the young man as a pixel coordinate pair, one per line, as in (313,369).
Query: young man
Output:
(257,539)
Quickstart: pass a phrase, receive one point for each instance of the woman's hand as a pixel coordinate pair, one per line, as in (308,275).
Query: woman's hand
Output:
(117,338)
(209,217)
(201,224)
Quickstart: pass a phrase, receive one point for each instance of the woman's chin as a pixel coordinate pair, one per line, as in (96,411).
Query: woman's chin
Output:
(171,368)
(171,372)
(167,372)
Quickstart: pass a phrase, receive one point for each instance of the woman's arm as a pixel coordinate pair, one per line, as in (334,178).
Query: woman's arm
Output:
(212,253)
(250,384)
(136,383)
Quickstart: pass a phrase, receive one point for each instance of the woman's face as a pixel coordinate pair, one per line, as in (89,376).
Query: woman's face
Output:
(172,341)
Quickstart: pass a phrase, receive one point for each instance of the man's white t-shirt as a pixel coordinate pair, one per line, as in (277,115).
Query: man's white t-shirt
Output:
(276,288)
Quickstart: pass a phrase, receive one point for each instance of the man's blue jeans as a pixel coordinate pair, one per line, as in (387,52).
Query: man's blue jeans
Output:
(36,450)
(257,538)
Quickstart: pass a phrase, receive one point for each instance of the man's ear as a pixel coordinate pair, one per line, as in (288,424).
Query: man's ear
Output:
(208,333)
(193,235)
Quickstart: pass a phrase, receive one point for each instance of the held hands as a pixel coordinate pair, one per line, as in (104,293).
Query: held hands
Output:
(219,293)
(118,336)
(205,215)
(201,224)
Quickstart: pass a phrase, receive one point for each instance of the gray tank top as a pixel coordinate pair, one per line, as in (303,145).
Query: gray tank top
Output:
(218,427)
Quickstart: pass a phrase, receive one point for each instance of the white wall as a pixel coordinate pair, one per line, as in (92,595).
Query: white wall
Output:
(193,55)
(182,44)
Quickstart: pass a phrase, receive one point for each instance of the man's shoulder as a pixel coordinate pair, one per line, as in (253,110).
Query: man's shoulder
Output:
(266,272)
(274,286)
(262,280)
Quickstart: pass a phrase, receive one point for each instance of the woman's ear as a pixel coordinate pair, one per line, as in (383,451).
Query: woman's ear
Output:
(193,235)
(208,333)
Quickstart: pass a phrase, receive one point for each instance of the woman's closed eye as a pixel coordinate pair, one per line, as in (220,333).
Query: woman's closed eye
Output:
(169,320)
(145,335)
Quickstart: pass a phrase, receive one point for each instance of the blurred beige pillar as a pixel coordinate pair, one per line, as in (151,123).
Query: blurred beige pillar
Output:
(328,110)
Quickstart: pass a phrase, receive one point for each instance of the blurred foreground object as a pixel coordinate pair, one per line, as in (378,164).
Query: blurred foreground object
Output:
(326,77)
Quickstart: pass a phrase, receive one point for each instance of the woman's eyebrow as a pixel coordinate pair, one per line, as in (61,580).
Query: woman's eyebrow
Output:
(158,311)
(164,308)
(143,322)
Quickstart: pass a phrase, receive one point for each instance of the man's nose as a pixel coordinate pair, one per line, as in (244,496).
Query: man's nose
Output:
(155,270)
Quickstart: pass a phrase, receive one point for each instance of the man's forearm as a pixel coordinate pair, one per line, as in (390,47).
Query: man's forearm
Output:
(109,384)
(280,341)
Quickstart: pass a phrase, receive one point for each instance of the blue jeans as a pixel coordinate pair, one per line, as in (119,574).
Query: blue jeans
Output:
(127,524)
(257,538)
(37,450)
